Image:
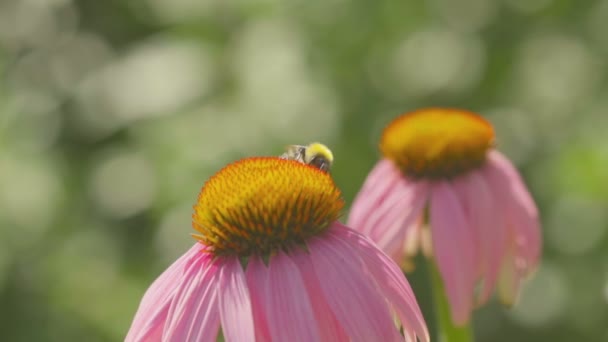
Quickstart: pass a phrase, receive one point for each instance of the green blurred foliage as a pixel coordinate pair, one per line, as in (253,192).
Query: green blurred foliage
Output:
(113,113)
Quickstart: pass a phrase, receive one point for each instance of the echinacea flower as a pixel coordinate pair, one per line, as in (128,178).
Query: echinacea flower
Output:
(441,165)
(272,263)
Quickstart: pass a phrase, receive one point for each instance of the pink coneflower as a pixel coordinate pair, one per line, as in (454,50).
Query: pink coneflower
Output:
(482,223)
(273,264)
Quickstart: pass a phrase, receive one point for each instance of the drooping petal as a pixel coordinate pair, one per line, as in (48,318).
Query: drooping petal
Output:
(354,300)
(390,280)
(399,218)
(381,179)
(413,239)
(152,329)
(510,280)
(288,308)
(387,218)
(488,223)
(498,160)
(234,302)
(329,327)
(521,212)
(151,315)
(194,313)
(167,279)
(256,274)
(460,187)
(453,249)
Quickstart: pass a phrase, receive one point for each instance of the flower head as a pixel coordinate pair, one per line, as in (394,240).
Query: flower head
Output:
(273,264)
(437,143)
(483,226)
(260,206)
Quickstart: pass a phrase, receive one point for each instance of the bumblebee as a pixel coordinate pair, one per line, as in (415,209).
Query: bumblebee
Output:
(314,154)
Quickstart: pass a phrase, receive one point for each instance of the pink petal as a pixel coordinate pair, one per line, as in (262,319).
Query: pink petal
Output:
(234,302)
(509,281)
(288,308)
(150,318)
(501,162)
(193,314)
(488,222)
(453,249)
(353,298)
(383,177)
(399,218)
(152,330)
(387,218)
(413,239)
(389,278)
(521,212)
(460,187)
(256,274)
(329,327)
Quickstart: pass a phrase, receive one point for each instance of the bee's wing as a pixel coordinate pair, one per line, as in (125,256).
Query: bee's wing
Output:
(294,152)
(295,149)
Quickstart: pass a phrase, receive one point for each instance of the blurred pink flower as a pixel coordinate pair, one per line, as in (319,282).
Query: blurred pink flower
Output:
(440,166)
(273,264)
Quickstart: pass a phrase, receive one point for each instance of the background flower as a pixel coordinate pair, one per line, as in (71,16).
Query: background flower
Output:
(441,180)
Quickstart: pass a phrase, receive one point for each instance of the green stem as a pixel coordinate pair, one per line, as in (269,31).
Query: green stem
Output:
(446,330)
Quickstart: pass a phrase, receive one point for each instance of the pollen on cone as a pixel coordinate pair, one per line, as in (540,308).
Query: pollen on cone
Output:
(260,205)
(437,142)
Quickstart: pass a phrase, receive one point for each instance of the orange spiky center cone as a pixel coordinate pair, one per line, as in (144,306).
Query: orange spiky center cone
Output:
(437,143)
(262,205)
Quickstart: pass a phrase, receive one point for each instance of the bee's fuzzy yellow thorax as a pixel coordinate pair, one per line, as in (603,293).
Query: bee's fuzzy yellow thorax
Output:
(437,142)
(261,205)
(315,149)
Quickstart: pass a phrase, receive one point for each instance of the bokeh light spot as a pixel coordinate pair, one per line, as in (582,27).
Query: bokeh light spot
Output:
(528,6)
(434,60)
(543,298)
(173,236)
(123,184)
(155,78)
(515,132)
(478,13)
(554,72)
(269,59)
(577,225)
(31,193)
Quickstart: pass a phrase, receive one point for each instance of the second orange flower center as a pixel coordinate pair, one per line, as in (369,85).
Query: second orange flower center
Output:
(261,205)
(437,143)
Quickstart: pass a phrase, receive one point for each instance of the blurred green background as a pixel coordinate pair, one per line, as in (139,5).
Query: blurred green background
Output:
(113,113)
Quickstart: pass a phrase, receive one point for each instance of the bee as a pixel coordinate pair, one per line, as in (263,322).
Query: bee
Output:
(314,154)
